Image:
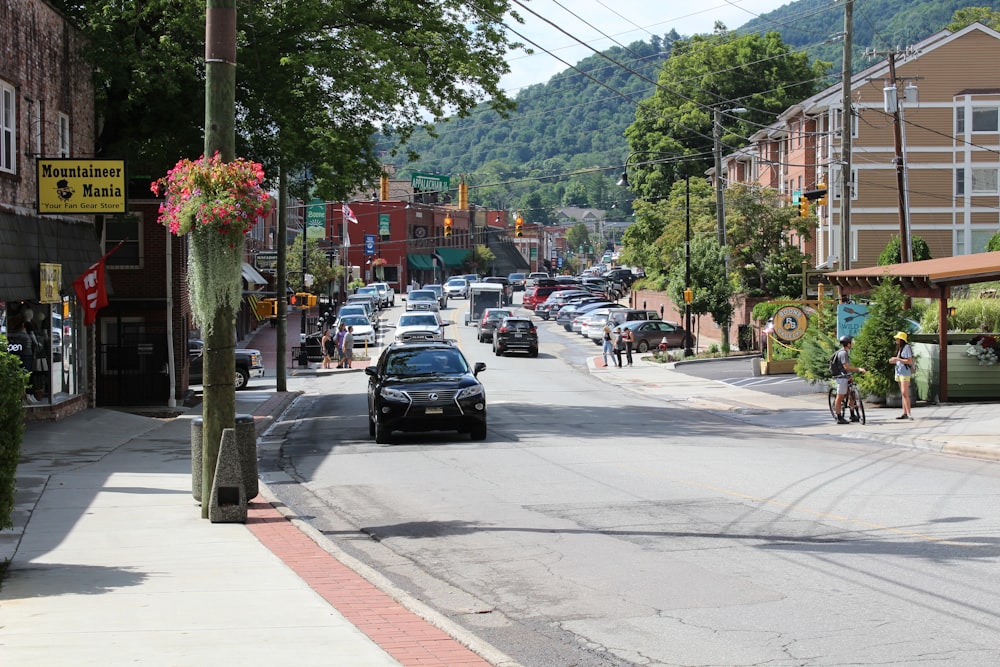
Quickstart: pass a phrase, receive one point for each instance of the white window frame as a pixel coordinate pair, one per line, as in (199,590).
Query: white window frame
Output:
(65,140)
(985,180)
(833,183)
(960,119)
(985,114)
(8,128)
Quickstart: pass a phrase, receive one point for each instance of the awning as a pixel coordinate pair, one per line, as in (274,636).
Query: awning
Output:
(253,278)
(453,257)
(27,241)
(420,262)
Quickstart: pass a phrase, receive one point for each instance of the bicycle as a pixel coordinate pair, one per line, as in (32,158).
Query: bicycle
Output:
(852,400)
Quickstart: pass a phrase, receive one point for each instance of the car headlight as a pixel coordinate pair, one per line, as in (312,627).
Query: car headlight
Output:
(393,394)
(469,392)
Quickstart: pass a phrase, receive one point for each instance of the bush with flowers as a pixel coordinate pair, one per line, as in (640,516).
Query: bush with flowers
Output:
(984,348)
(217,203)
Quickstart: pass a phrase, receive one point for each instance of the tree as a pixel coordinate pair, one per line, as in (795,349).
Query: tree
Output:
(759,229)
(994,243)
(968,15)
(755,71)
(578,237)
(874,343)
(318,265)
(891,254)
(576,194)
(711,292)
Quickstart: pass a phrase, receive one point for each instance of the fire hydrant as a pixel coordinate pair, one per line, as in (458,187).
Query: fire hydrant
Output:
(663,344)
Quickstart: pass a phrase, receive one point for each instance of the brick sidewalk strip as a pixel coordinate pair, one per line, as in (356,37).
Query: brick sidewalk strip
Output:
(402,634)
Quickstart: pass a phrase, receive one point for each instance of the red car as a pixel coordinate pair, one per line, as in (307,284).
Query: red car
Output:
(538,294)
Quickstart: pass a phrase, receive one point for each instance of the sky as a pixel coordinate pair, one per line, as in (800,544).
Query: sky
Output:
(610,22)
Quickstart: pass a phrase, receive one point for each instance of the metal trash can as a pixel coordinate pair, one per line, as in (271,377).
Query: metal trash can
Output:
(246,443)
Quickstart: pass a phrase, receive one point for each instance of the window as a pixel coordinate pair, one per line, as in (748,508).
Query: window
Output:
(124,229)
(836,179)
(959,120)
(8,129)
(984,181)
(64,142)
(984,119)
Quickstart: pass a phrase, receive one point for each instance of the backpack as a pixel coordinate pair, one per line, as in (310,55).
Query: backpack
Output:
(836,367)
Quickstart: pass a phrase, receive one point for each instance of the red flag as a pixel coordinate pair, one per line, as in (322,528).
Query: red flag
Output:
(349,214)
(89,288)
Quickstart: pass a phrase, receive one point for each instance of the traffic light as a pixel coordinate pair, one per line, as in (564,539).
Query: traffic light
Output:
(822,199)
(519,227)
(293,299)
(688,296)
(302,300)
(310,300)
(447,227)
(803,207)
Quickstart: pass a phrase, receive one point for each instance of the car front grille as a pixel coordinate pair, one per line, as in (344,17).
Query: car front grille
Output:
(412,336)
(432,397)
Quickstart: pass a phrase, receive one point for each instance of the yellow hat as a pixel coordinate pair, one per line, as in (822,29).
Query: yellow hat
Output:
(901,336)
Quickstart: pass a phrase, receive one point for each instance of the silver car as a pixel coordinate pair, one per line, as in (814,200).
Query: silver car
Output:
(457,288)
(422,299)
(419,326)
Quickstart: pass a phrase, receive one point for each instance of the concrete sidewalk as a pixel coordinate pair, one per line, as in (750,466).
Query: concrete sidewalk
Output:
(111,563)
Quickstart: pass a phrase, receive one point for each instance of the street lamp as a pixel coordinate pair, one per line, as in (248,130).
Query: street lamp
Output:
(688,294)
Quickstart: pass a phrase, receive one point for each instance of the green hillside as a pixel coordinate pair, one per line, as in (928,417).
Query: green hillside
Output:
(565,144)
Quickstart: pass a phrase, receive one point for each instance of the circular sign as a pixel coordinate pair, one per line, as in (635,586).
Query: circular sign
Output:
(419,232)
(790,323)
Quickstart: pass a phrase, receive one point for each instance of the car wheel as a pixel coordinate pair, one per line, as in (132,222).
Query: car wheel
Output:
(533,352)
(242,378)
(642,346)
(497,351)
(478,432)
(382,433)
(371,427)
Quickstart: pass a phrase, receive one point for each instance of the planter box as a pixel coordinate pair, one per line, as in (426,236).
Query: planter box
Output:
(777,367)
(966,378)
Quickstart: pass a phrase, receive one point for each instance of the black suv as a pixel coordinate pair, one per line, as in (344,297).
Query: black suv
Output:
(425,386)
(249,364)
(515,333)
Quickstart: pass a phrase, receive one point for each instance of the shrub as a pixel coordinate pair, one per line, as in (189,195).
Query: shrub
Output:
(13,383)
(818,344)
(874,344)
(972,315)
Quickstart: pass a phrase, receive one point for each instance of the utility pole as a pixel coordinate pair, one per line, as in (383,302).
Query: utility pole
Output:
(281,282)
(846,129)
(219,399)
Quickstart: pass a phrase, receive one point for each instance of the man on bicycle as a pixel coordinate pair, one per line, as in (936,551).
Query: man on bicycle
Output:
(842,366)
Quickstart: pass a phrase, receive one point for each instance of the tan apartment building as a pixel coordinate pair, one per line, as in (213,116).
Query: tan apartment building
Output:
(948,91)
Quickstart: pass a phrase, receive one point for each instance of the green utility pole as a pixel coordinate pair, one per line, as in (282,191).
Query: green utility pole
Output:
(219,402)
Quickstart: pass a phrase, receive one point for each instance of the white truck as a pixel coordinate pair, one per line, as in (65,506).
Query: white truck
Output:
(481,297)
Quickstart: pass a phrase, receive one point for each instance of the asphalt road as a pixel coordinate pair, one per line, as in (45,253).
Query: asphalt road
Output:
(594,527)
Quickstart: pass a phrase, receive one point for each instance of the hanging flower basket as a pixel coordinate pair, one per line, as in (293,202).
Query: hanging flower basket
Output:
(379,261)
(217,203)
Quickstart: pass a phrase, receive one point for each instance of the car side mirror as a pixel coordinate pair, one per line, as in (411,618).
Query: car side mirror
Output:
(371,371)
(479,367)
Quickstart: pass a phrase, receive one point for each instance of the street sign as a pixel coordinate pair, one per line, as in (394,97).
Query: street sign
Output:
(369,244)
(850,317)
(383,225)
(266,261)
(316,219)
(429,182)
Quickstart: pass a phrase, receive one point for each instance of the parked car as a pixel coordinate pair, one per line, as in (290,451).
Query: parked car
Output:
(386,293)
(425,387)
(515,334)
(516,281)
(441,295)
(624,275)
(364,332)
(593,323)
(367,300)
(647,334)
(416,326)
(372,291)
(457,288)
(629,314)
(551,306)
(355,309)
(491,317)
(538,294)
(249,364)
(422,299)
(532,278)
(567,314)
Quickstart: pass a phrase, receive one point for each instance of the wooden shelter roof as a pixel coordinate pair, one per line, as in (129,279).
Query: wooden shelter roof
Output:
(926,278)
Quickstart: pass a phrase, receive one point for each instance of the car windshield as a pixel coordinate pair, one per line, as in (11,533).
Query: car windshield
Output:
(437,361)
(367,290)
(496,314)
(434,288)
(457,282)
(418,321)
(423,295)
(355,321)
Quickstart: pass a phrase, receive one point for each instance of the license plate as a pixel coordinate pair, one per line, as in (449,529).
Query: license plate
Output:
(434,411)
(518,335)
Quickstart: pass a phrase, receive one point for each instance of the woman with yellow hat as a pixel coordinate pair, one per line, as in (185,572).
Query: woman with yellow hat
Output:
(904,370)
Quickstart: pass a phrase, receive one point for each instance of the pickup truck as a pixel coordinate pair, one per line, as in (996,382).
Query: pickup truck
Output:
(249,364)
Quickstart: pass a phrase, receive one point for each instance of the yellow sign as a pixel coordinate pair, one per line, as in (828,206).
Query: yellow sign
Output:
(72,186)
(50,278)
(790,323)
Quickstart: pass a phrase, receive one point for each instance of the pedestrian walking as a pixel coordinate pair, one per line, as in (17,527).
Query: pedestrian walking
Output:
(348,347)
(616,337)
(608,349)
(904,370)
(328,348)
(629,337)
(339,342)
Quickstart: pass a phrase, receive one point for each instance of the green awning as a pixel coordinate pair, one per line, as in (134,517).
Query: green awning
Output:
(420,262)
(453,257)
